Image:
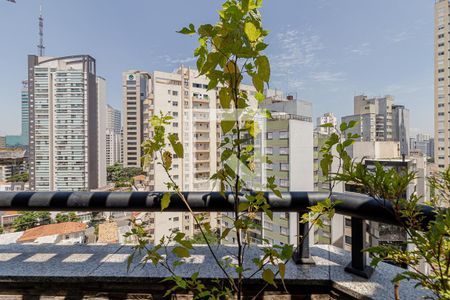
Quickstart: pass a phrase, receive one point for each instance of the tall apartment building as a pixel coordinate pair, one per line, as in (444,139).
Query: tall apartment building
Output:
(113,136)
(442,83)
(288,142)
(183,95)
(135,91)
(327,118)
(400,127)
(380,120)
(101,130)
(25,112)
(63,109)
(2,142)
(114,119)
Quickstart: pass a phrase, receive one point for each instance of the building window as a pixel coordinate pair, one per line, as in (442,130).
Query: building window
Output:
(269,166)
(348,222)
(175,124)
(348,240)
(284,167)
(284,230)
(284,151)
(175,103)
(269,150)
(284,183)
(269,135)
(284,134)
(268,225)
(176,219)
(174,93)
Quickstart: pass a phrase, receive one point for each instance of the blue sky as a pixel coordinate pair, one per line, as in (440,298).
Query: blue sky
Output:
(325,51)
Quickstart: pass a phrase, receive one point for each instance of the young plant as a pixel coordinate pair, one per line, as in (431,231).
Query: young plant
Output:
(228,52)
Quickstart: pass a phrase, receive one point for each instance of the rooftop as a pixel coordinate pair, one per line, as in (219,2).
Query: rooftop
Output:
(51,229)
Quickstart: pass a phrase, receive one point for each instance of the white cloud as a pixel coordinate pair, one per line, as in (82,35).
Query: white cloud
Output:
(299,63)
(327,76)
(176,61)
(297,49)
(361,50)
(400,36)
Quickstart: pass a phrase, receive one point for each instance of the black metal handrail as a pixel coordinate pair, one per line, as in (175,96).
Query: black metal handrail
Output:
(359,207)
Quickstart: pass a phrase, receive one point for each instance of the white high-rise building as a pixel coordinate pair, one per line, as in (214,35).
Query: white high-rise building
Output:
(135,92)
(288,143)
(113,136)
(327,118)
(400,127)
(102,120)
(442,83)
(114,119)
(378,119)
(63,110)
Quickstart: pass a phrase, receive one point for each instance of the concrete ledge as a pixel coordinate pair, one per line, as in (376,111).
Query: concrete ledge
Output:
(103,268)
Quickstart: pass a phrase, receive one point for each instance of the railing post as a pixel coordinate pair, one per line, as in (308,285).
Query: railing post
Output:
(301,254)
(358,265)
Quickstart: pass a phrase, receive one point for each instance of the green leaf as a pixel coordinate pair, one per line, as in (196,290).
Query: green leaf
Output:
(205,29)
(176,145)
(227,125)
(167,159)
(224,98)
(225,233)
(268,212)
(282,269)
(180,252)
(245,6)
(165,201)
(261,46)
(258,83)
(226,154)
(251,31)
(269,277)
(243,206)
(260,96)
(262,62)
(188,30)
(212,84)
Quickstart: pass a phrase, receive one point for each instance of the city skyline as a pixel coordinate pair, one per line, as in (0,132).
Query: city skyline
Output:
(364,55)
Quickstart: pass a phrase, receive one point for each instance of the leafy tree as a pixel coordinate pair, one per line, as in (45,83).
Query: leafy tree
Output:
(30,219)
(228,52)
(22,177)
(428,244)
(122,176)
(70,217)
(212,237)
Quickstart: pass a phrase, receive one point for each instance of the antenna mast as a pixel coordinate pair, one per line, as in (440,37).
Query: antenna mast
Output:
(41,47)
